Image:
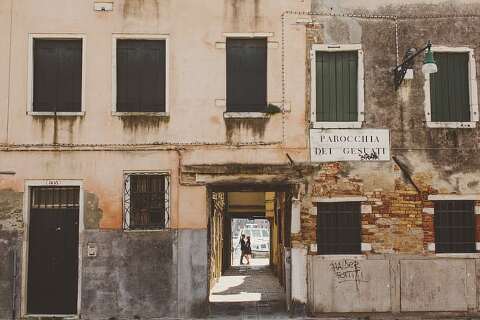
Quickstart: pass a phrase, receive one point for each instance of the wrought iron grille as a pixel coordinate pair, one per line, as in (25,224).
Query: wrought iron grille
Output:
(146,200)
(55,197)
(338,228)
(454,226)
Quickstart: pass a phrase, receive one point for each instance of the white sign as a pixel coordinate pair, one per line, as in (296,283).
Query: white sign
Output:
(349,145)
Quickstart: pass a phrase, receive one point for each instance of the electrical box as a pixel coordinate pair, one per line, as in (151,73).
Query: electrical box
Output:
(91,249)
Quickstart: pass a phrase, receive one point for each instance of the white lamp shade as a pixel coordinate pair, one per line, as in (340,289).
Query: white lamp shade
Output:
(428,68)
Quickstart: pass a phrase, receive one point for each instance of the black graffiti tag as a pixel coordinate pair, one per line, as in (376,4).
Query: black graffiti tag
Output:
(347,270)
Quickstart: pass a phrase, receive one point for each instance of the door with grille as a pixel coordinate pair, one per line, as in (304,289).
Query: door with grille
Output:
(52,281)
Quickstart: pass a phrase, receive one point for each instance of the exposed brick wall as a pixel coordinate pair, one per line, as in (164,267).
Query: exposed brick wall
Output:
(394,224)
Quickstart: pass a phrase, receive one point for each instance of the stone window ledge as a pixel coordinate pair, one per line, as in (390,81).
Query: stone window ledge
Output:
(334,125)
(60,114)
(341,256)
(141,114)
(465,125)
(146,230)
(458,255)
(246,115)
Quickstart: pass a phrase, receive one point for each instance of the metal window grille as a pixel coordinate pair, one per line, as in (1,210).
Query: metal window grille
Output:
(454,226)
(338,228)
(54,197)
(146,201)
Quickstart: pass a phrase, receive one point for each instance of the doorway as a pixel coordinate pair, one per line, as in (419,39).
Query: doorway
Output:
(262,213)
(53,250)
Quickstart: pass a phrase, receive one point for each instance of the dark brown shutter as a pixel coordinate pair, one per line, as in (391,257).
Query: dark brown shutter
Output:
(338,228)
(57,75)
(449,88)
(246,75)
(141,75)
(336,86)
(454,226)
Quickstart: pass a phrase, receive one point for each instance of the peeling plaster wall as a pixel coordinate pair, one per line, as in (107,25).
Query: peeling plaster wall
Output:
(196,71)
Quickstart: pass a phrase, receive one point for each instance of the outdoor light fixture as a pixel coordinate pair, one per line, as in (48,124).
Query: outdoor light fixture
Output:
(429,65)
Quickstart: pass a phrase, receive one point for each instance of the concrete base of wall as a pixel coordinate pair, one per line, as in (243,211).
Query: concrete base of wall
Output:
(10,259)
(392,284)
(134,275)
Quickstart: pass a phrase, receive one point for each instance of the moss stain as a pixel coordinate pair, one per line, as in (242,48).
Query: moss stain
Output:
(134,123)
(255,126)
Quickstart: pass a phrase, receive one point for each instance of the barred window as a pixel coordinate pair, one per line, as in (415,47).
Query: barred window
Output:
(338,228)
(454,226)
(146,200)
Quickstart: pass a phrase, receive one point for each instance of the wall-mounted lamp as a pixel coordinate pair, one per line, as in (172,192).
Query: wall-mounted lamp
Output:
(429,65)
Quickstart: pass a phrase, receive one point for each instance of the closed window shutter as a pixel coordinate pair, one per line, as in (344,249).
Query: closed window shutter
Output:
(454,226)
(246,75)
(338,228)
(336,86)
(449,92)
(57,75)
(141,75)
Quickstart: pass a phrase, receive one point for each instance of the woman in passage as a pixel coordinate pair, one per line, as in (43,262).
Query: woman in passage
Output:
(248,249)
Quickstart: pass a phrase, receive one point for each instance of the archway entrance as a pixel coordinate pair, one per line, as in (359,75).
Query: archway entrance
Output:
(263,214)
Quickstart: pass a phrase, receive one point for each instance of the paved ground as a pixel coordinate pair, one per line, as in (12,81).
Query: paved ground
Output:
(247,284)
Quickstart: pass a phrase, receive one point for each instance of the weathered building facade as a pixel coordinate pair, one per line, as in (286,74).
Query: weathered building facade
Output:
(105,107)
(415,217)
(127,172)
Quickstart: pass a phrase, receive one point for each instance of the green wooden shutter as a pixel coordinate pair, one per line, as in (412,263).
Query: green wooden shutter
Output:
(449,92)
(336,86)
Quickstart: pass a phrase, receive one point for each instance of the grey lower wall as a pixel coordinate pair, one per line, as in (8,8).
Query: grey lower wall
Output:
(135,275)
(10,250)
(143,275)
(392,284)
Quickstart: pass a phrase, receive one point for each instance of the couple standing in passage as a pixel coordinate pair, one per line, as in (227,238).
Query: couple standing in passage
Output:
(246,248)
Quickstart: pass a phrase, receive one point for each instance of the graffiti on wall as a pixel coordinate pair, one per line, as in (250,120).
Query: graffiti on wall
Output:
(347,270)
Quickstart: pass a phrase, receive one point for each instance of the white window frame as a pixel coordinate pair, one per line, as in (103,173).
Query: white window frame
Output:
(53,36)
(126,204)
(139,36)
(360,86)
(453,197)
(472,89)
(223,45)
(26,218)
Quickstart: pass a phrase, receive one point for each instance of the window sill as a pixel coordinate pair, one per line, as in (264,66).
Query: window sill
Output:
(60,114)
(145,230)
(471,124)
(141,114)
(60,316)
(334,125)
(472,255)
(246,115)
(341,256)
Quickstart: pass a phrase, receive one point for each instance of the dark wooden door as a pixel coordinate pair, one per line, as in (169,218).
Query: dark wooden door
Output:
(53,252)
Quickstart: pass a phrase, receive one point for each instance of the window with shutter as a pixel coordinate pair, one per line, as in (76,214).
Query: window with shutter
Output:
(449,88)
(336,86)
(246,75)
(141,75)
(57,75)
(338,228)
(454,226)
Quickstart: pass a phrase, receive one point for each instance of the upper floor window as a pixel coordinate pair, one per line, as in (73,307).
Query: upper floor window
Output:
(337,86)
(338,227)
(57,78)
(141,76)
(246,75)
(454,226)
(451,93)
(146,200)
